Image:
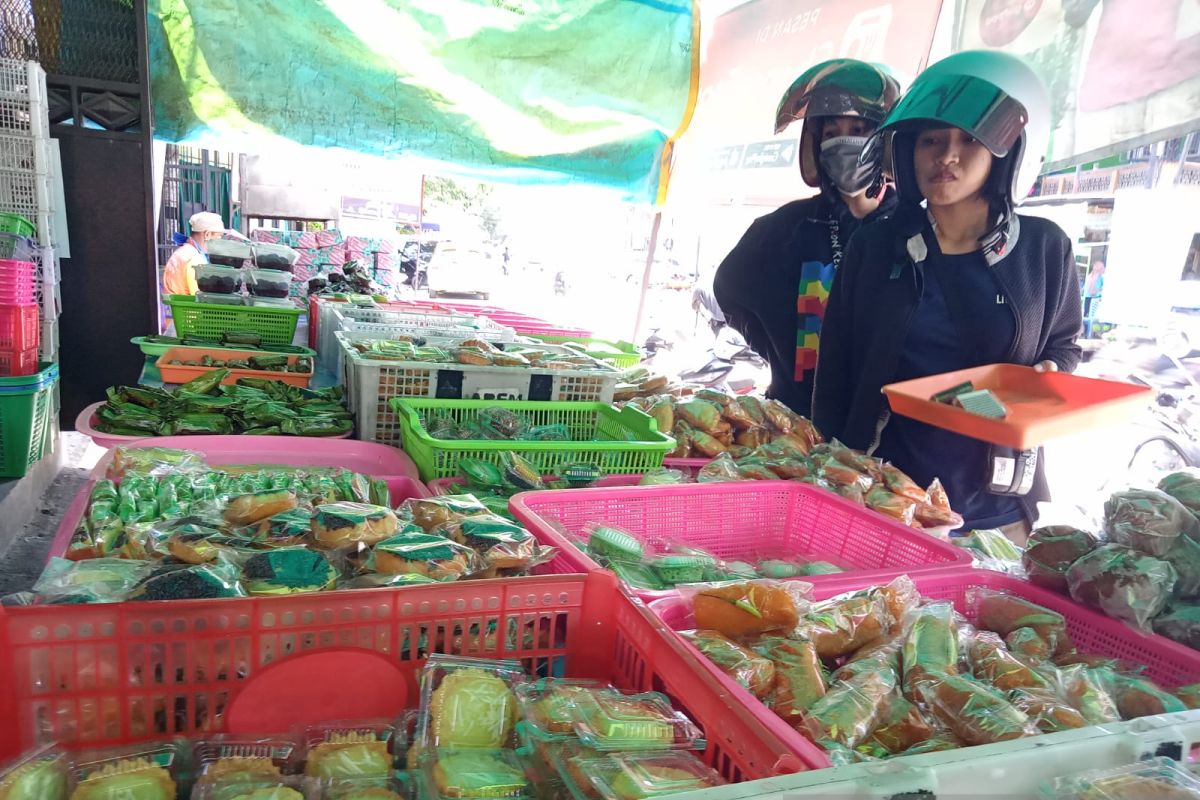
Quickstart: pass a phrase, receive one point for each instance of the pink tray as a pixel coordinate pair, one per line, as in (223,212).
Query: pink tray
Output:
(368,458)
(86,421)
(1166,662)
(402,487)
(440,486)
(745,520)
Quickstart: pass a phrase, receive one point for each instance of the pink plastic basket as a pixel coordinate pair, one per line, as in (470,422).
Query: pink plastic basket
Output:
(18,282)
(85,423)
(402,488)
(120,673)
(440,486)
(746,521)
(1166,662)
(368,458)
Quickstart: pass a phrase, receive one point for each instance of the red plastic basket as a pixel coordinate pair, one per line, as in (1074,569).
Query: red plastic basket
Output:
(746,520)
(1166,662)
(120,673)
(20,327)
(18,362)
(18,282)
(440,486)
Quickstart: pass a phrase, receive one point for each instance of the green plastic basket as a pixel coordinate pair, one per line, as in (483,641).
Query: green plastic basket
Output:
(274,325)
(626,355)
(26,415)
(619,442)
(12,223)
(156,349)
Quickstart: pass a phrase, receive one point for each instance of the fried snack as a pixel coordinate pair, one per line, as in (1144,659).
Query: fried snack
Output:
(882,653)
(904,727)
(1004,613)
(702,415)
(1049,713)
(849,711)
(899,483)
(1181,624)
(1028,644)
(1123,584)
(1084,690)
(472,708)
(976,713)
(1137,697)
(1189,695)
(799,678)
(931,649)
(1148,521)
(941,741)
(662,410)
(430,512)
(137,778)
(424,554)
(992,663)
(745,609)
(880,498)
(838,627)
(247,509)
(340,524)
(1051,551)
(749,669)
(39,777)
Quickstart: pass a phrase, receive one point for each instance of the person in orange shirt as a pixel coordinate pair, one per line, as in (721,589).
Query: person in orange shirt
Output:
(179,276)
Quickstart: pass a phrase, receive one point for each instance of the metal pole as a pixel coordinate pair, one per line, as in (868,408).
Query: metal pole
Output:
(637,322)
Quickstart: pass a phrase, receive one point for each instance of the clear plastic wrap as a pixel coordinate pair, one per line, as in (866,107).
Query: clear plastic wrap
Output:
(347,524)
(190,582)
(464,774)
(39,775)
(976,713)
(228,766)
(852,709)
(1148,520)
(1137,697)
(425,554)
(750,670)
(931,649)
(609,720)
(991,662)
(1123,584)
(1051,551)
(97,580)
(1158,778)
(146,771)
(350,749)
(799,676)
(637,776)
(1181,624)
(903,727)
(1004,613)
(748,608)
(1184,486)
(468,702)
(547,706)
(504,546)
(430,512)
(287,570)
(1046,709)
(1084,689)
(153,462)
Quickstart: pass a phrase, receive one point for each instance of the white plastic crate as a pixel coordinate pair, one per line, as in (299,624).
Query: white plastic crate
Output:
(370,384)
(385,324)
(1009,769)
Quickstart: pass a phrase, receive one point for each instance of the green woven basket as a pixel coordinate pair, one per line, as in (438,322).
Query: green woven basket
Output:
(619,442)
(274,325)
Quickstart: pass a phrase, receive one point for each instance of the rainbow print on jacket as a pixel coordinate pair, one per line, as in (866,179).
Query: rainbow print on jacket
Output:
(813,292)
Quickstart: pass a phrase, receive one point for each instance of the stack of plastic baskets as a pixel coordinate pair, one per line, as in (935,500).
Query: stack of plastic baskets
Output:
(20,318)
(26,420)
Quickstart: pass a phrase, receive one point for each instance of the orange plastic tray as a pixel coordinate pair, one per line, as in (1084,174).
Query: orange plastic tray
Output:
(1041,405)
(173,373)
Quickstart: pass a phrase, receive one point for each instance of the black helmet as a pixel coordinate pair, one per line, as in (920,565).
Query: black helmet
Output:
(840,87)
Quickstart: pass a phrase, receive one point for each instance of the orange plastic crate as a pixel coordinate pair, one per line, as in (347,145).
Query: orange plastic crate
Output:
(175,373)
(121,673)
(19,327)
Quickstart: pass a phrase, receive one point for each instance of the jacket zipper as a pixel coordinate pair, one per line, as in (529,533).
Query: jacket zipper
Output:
(885,413)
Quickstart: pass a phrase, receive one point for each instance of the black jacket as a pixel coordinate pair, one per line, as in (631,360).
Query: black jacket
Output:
(758,286)
(876,293)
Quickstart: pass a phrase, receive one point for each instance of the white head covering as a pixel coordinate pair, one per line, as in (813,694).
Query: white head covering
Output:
(206,221)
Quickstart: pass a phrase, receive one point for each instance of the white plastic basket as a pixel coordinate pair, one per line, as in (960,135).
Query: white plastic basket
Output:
(371,383)
(1008,769)
(384,324)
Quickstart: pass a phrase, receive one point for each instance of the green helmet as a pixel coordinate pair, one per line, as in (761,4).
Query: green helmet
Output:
(840,87)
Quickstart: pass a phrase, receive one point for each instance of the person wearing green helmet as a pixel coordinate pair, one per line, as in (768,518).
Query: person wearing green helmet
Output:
(954,279)
(772,286)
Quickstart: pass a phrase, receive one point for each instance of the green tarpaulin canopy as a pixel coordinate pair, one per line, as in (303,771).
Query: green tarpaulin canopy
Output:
(532,91)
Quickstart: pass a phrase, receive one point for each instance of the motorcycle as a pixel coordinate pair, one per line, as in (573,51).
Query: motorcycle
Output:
(1174,440)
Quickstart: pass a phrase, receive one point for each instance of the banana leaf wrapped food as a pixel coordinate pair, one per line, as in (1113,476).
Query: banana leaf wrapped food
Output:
(749,669)
(1148,520)
(1123,583)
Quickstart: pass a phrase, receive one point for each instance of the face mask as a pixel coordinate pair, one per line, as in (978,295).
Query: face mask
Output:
(839,160)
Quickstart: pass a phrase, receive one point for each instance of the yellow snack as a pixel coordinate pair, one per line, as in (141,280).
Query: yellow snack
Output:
(472,708)
(137,778)
(349,755)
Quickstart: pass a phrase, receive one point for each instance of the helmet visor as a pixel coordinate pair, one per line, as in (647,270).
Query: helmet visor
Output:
(835,89)
(977,106)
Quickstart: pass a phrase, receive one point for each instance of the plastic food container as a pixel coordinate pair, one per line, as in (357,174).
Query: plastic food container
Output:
(215,279)
(268,283)
(228,252)
(220,299)
(182,373)
(274,256)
